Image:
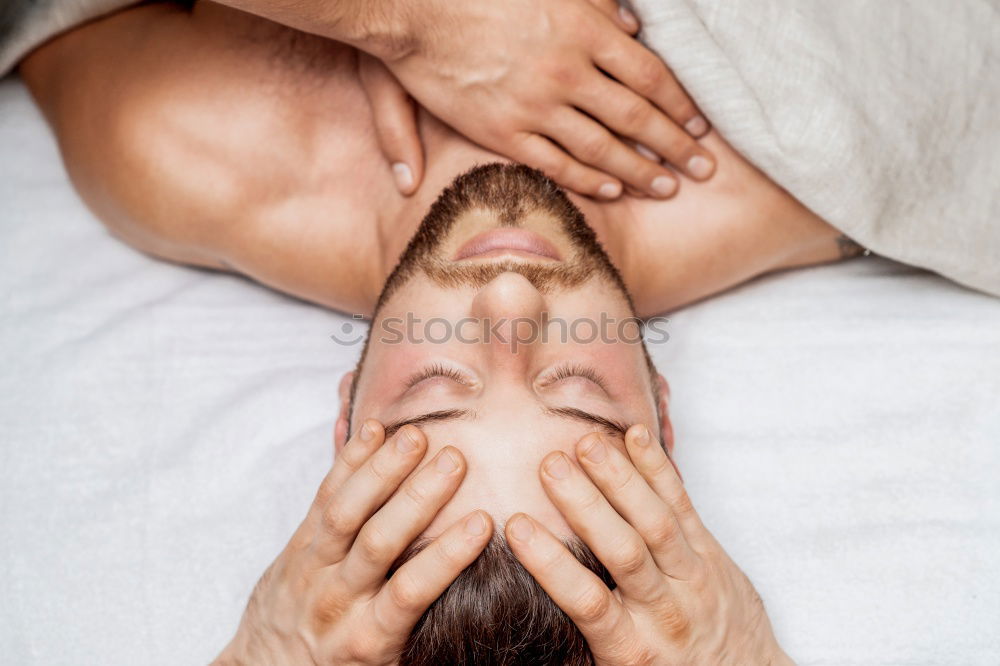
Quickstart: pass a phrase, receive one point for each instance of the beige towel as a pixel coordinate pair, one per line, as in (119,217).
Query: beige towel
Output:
(882,116)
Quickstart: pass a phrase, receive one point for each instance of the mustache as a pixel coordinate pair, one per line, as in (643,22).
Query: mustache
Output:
(543,277)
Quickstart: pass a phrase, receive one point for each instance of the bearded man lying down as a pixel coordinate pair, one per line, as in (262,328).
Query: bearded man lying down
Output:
(220,140)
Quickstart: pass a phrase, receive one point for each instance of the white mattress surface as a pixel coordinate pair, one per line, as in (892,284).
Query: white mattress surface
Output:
(162,430)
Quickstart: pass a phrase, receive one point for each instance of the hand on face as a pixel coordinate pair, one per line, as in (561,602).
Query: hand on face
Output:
(325,599)
(680,599)
(562,86)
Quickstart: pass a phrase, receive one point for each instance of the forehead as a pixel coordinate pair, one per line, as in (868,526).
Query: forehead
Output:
(503,446)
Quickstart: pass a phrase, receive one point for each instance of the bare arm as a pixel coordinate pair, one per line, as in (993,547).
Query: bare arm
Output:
(217,139)
(551,84)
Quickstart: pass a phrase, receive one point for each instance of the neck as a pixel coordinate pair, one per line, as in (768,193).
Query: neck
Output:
(709,238)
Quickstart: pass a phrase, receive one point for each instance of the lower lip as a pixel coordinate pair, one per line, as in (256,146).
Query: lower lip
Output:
(519,242)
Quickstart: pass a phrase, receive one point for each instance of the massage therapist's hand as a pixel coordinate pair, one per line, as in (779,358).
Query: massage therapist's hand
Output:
(550,83)
(679,599)
(326,599)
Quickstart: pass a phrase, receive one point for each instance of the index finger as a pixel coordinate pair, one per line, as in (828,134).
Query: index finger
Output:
(418,582)
(576,589)
(366,441)
(638,68)
(653,464)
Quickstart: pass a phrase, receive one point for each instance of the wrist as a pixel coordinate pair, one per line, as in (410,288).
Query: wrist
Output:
(385,29)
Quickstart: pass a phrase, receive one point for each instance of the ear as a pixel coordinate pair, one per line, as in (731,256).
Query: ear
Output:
(663,411)
(340,433)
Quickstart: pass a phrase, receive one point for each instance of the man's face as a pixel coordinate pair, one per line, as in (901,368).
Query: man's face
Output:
(505,333)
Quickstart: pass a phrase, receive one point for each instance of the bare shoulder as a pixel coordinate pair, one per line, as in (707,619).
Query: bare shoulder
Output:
(215,138)
(717,234)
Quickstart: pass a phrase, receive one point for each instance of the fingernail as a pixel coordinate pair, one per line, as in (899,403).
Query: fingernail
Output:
(558,467)
(642,436)
(610,190)
(446,463)
(366,432)
(406,441)
(699,167)
(628,18)
(597,451)
(403,175)
(522,529)
(647,153)
(475,524)
(696,126)
(664,186)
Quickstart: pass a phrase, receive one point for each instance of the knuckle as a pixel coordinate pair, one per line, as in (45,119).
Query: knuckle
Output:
(404,591)
(446,552)
(373,545)
(336,522)
(623,479)
(649,76)
(379,469)
(635,115)
(663,533)
(594,148)
(590,501)
(550,562)
(563,74)
(682,504)
(354,457)
(361,647)
(415,494)
(661,468)
(324,494)
(592,605)
(630,557)
(676,623)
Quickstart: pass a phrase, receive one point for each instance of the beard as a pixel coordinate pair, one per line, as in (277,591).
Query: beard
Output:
(509,192)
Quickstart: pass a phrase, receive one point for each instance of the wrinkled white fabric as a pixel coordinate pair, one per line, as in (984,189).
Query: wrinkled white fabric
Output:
(163,429)
(880,115)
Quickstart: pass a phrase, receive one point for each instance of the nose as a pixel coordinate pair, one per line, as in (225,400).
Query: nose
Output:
(512,309)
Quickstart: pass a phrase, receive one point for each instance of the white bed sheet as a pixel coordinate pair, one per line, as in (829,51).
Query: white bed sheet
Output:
(162,430)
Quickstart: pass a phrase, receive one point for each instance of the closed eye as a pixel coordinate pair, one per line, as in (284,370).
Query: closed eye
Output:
(437,370)
(568,370)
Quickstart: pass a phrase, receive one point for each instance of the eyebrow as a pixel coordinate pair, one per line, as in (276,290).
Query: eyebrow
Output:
(429,417)
(611,426)
(614,428)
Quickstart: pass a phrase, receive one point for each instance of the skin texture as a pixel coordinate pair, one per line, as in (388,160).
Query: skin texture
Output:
(468,63)
(326,599)
(680,599)
(216,139)
(161,145)
(509,393)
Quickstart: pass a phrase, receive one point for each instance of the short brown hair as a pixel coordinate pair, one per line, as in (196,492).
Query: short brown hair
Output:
(496,613)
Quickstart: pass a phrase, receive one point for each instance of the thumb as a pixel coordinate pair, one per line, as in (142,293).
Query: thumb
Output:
(395,118)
